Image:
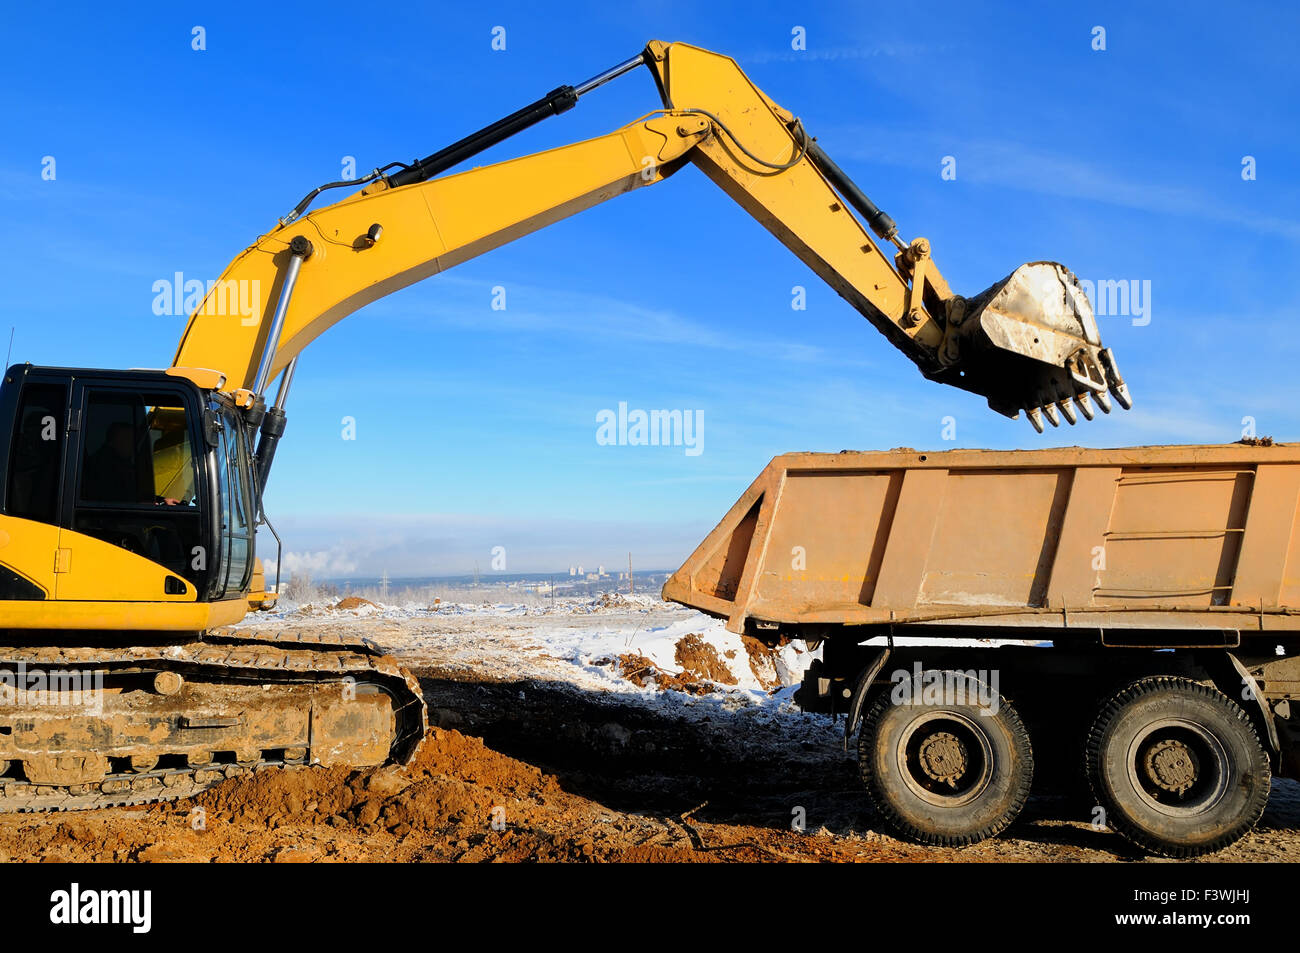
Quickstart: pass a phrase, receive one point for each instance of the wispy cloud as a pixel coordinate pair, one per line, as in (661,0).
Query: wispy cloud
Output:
(1026,167)
(866,52)
(586,315)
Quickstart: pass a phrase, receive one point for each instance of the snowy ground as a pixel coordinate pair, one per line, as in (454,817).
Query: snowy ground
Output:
(520,641)
(579,642)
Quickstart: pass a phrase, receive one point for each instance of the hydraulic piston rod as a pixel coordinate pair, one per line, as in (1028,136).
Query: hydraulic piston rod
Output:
(299,251)
(553,103)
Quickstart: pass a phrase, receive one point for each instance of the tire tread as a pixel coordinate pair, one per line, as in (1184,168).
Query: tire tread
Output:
(1115,818)
(911,832)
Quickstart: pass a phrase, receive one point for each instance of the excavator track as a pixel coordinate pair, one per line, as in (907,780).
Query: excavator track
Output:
(159,722)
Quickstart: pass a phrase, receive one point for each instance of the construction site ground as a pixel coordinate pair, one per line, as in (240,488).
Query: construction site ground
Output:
(604,730)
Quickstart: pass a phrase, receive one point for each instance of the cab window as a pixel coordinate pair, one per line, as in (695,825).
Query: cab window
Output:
(36,455)
(137,451)
(237,527)
(137,478)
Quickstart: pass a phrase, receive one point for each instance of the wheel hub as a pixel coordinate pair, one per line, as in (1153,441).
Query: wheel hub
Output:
(1172,766)
(942,757)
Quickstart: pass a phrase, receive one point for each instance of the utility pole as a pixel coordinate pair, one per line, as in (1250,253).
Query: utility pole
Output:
(631,586)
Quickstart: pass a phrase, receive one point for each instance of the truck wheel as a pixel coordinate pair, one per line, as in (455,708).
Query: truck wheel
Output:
(948,773)
(1177,766)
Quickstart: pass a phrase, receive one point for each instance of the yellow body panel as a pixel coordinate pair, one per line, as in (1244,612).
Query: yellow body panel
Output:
(200,376)
(74,567)
(29,548)
(99,571)
(97,585)
(427,228)
(258,596)
(122,616)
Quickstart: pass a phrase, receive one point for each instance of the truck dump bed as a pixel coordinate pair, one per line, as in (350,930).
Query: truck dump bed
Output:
(1159,538)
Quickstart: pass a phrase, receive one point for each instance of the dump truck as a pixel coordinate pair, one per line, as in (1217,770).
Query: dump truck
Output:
(1129,616)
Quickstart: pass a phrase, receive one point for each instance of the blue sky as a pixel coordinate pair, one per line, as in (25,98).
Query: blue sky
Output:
(476,428)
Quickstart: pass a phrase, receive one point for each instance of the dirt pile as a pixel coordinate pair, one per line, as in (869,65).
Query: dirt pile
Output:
(762,661)
(353,602)
(453,781)
(701,660)
(644,673)
(457,801)
(703,669)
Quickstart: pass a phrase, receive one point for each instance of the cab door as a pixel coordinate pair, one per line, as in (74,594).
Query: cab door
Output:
(29,528)
(132,527)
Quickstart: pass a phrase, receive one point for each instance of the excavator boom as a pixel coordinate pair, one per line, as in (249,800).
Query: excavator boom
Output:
(1028,342)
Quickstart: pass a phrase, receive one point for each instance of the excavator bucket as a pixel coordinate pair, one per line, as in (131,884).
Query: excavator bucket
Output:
(1030,342)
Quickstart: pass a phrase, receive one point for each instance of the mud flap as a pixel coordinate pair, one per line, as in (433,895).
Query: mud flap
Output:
(860,691)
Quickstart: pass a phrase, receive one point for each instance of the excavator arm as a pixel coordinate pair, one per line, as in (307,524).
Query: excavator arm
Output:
(1028,342)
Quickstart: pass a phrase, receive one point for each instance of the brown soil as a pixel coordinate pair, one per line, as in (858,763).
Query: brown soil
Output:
(642,673)
(457,801)
(353,602)
(702,668)
(762,661)
(700,659)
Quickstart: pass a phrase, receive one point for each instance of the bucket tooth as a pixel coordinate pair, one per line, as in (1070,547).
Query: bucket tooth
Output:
(1053,418)
(1035,417)
(1085,406)
(1103,401)
(1115,379)
(1122,396)
(1067,411)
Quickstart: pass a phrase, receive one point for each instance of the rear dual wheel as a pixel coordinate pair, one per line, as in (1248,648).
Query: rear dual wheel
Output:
(1177,767)
(949,773)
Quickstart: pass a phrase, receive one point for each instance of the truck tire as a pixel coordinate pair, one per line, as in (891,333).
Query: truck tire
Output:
(1177,766)
(948,773)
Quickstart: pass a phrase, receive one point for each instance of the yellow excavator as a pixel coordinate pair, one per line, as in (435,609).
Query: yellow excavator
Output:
(131,498)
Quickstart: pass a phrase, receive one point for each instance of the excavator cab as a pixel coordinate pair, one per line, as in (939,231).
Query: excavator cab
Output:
(131,492)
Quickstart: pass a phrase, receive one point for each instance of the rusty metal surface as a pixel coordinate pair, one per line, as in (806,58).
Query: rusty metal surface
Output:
(241,703)
(1039,348)
(1151,537)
